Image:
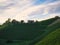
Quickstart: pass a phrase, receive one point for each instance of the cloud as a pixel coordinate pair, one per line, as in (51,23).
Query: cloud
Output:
(48,10)
(25,13)
(26,9)
(2,19)
(14,8)
(3,0)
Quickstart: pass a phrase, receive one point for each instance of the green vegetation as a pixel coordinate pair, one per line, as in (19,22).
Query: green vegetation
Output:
(52,39)
(30,33)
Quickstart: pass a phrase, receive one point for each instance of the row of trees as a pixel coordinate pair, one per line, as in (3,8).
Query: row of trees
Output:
(22,21)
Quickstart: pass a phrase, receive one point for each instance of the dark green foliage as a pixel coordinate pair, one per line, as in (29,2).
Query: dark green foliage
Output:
(2,41)
(9,41)
(31,32)
(21,31)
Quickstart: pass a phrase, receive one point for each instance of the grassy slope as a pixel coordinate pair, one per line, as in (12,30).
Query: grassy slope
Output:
(48,30)
(51,39)
(25,32)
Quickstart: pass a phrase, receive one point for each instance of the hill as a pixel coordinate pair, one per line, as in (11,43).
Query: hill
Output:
(51,39)
(15,30)
(50,28)
(21,33)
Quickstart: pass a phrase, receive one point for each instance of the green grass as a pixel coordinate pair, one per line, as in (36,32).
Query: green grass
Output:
(51,39)
(18,43)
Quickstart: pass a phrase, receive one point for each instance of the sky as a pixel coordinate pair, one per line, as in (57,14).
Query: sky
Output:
(28,9)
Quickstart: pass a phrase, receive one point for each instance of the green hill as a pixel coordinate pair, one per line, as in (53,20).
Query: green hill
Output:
(21,33)
(24,31)
(51,39)
(50,28)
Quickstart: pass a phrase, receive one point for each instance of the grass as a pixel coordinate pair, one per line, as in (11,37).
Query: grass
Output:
(51,39)
(18,43)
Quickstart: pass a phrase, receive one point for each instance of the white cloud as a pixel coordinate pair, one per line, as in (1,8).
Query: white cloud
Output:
(2,19)
(45,12)
(25,13)
(13,8)
(24,9)
(3,0)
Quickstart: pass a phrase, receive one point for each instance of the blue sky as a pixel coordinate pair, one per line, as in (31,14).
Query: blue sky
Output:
(38,2)
(28,9)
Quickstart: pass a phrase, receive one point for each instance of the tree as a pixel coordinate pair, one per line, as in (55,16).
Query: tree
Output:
(22,21)
(30,21)
(57,17)
(8,21)
(14,21)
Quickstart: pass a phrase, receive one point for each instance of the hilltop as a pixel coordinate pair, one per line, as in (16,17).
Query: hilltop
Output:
(28,33)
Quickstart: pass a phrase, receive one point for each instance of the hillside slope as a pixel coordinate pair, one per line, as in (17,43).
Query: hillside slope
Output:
(51,39)
(50,28)
(24,31)
(28,33)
